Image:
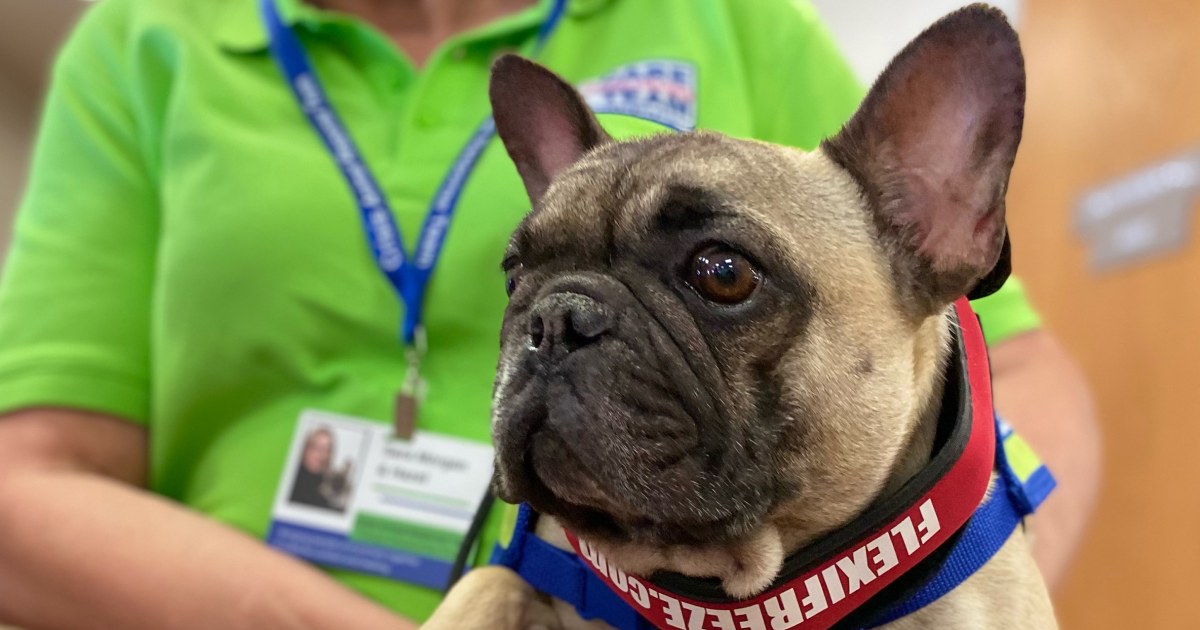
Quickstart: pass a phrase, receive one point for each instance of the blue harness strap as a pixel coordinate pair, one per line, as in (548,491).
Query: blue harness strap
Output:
(1022,483)
(1018,491)
(562,575)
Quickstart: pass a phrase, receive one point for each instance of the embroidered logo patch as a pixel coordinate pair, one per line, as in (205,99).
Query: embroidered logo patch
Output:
(660,90)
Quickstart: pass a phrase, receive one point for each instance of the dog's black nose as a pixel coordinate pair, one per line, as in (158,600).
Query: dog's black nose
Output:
(564,322)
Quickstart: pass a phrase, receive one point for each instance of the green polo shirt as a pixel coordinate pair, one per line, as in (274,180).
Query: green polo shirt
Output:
(187,256)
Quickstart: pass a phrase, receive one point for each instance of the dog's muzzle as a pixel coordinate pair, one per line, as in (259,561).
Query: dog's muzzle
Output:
(602,421)
(546,427)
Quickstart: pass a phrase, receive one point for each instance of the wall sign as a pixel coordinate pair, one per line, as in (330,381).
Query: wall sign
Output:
(1144,214)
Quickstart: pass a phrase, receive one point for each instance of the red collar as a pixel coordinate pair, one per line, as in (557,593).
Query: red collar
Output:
(829,579)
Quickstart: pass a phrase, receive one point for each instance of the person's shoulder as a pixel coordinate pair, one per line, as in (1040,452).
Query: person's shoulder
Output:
(126,24)
(746,16)
(770,31)
(803,10)
(767,15)
(146,13)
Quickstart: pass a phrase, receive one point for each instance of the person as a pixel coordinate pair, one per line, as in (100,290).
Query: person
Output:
(188,273)
(313,469)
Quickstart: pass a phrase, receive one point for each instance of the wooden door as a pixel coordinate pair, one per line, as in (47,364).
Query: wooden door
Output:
(1115,86)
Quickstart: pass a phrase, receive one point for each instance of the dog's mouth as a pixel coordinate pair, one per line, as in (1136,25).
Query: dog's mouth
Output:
(605,484)
(624,434)
(551,477)
(550,490)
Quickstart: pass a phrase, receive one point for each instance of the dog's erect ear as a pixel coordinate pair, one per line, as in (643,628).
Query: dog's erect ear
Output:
(932,146)
(545,124)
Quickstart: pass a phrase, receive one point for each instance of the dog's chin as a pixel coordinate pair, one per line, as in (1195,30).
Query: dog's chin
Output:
(639,473)
(552,480)
(744,561)
(562,487)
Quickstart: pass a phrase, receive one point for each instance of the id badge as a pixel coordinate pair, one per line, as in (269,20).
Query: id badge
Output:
(353,497)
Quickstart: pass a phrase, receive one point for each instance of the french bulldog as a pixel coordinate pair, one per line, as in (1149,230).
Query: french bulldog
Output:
(717,350)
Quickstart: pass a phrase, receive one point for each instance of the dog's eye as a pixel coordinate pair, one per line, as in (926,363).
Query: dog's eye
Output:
(510,282)
(723,275)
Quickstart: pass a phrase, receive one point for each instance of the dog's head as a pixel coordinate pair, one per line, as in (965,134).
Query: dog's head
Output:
(709,337)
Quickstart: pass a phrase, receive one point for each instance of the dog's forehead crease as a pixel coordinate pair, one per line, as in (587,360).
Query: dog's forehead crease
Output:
(573,221)
(626,191)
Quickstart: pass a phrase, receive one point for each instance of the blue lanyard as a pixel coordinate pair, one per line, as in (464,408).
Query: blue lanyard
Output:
(408,276)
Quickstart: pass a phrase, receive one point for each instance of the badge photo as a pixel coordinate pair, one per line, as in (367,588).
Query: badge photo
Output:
(330,460)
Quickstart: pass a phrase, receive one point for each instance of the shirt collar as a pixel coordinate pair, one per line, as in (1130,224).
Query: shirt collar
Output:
(241,29)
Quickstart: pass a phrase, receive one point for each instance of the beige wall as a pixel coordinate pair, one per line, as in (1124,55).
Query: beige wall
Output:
(16,115)
(30,32)
(1110,92)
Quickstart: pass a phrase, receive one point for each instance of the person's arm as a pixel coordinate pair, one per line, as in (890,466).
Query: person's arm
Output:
(1042,393)
(83,546)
